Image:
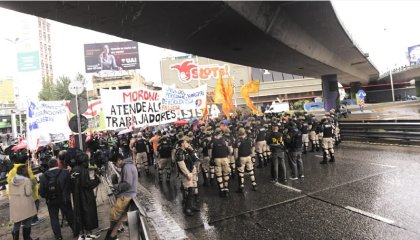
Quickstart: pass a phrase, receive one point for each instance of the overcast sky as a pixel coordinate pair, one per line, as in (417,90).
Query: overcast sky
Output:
(384,29)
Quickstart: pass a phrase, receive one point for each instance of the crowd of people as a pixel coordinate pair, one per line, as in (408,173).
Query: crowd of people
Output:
(217,152)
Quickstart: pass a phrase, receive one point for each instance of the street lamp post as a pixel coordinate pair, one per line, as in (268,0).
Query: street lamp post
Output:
(392,85)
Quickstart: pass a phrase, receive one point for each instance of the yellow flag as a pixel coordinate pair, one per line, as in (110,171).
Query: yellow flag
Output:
(252,86)
(205,112)
(230,94)
(219,91)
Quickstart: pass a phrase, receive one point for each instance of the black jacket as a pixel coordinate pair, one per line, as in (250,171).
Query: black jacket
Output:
(85,210)
(63,180)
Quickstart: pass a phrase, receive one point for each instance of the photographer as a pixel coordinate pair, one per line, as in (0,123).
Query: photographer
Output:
(126,190)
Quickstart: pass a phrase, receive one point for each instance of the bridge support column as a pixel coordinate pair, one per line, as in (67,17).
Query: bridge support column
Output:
(329,91)
(417,84)
(354,87)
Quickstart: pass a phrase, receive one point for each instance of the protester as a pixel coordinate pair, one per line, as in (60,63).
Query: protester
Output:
(22,206)
(55,188)
(84,200)
(126,190)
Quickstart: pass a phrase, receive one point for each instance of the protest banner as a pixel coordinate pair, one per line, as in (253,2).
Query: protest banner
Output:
(47,121)
(94,114)
(138,107)
(183,99)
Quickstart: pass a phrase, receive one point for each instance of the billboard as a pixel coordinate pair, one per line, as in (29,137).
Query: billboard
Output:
(111,56)
(28,61)
(414,54)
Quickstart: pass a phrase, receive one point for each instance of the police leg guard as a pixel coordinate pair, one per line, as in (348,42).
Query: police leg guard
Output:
(241,181)
(324,159)
(220,184)
(232,170)
(265,157)
(260,160)
(313,146)
(305,148)
(226,185)
(188,206)
(195,208)
(168,175)
(205,177)
(332,158)
(211,175)
(160,173)
(317,146)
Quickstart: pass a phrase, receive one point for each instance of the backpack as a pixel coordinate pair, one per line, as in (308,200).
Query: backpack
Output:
(297,139)
(141,145)
(54,191)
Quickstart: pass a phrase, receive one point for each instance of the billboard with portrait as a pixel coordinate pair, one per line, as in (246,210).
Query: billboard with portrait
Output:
(111,56)
(414,54)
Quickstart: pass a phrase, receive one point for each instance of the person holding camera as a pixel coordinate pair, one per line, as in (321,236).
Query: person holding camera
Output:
(54,186)
(125,191)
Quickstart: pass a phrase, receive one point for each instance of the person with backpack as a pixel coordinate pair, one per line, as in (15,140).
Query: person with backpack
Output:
(164,155)
(142,150)
(295,144)
(55,188)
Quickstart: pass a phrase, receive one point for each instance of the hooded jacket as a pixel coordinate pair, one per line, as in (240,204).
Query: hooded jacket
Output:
(32,177)
(129,176)
(22,205)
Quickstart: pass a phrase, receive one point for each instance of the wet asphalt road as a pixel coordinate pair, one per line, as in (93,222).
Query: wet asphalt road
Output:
(370,192)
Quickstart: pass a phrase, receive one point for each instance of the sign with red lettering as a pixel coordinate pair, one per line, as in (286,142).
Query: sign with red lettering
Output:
(138,107)
(188,70)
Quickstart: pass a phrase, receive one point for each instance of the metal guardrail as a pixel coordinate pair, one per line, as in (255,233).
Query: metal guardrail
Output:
(397,131)
(400,69)
(137,222)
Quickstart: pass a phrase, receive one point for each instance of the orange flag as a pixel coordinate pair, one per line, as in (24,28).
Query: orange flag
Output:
(252,86)
(219,91)
(230,94)
(205,112)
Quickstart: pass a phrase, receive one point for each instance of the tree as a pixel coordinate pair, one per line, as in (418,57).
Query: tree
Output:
(47,92)
(62,88)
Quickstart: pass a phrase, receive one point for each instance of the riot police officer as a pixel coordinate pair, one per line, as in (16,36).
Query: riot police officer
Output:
(164,155)
(261,145)
(208,173)
(243,146)
(327,130)
(186,158)
(219,152)
(313,135)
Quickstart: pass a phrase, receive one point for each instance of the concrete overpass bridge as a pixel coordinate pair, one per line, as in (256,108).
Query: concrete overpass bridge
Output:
(302,38)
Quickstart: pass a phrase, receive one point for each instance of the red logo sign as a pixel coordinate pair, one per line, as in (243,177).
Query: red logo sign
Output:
(188,70)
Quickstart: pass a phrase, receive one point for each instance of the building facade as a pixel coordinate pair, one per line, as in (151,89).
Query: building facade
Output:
(191,71)
(44,34)
(114,80)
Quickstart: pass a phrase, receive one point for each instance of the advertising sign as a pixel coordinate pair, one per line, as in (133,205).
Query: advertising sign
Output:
(111,56)
(46,122)
(414,54)
(182,99)
(188,70)
(28,61)
(138,107)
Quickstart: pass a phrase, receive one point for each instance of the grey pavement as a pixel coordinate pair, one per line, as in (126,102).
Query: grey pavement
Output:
(370,192)
(43,229)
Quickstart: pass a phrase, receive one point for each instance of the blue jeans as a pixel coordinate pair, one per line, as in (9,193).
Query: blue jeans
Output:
(296,163)
(278,166)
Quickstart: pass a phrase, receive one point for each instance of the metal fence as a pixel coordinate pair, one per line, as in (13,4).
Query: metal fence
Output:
(395,131)
(137,217)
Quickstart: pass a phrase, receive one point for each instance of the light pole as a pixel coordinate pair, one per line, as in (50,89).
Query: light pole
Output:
(390,74)
(392,85)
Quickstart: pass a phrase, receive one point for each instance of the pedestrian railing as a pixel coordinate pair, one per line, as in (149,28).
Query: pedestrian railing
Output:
(137,217)
(395,131)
